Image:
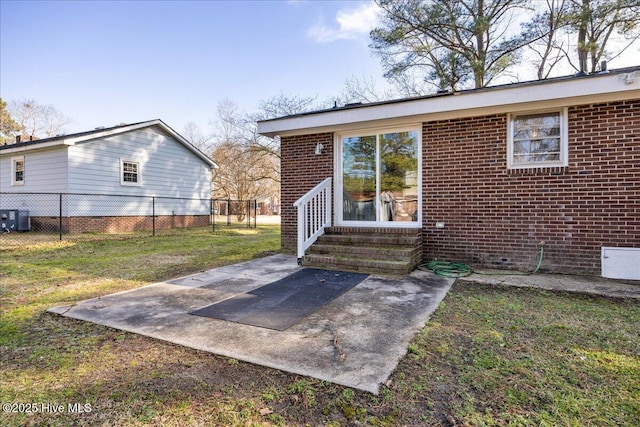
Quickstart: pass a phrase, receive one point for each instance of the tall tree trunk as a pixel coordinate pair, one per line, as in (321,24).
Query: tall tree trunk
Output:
(583,48)
(479,66)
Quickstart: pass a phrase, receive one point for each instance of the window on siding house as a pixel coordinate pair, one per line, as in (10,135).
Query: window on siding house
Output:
(17,171)
(537,140)
(130,172)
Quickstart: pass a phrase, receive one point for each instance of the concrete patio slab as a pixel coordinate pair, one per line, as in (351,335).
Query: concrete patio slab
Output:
(559,282)
(356,340)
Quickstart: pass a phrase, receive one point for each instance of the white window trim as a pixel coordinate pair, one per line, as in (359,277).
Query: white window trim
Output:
(15,160)
(127,183)
(564,140)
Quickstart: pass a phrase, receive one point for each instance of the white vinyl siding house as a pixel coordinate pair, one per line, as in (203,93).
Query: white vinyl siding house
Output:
(44,171)
(90,163)
(166,168)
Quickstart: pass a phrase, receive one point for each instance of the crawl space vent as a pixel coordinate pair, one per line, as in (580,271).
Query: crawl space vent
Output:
(621,263)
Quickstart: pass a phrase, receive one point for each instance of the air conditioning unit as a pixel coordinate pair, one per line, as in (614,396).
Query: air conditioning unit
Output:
(14,220)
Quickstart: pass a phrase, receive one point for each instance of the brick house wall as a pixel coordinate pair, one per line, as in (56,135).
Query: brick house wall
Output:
(497,217)
(116,224)
(301,171)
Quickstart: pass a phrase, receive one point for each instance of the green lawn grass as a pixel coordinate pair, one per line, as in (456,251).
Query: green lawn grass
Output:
(489,356)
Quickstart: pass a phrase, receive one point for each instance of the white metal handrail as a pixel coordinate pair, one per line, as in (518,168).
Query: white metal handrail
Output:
(314,214)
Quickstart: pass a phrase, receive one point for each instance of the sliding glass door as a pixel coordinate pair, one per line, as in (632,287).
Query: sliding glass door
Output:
(379,175)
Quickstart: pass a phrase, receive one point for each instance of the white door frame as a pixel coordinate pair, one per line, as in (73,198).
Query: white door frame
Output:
(338,184)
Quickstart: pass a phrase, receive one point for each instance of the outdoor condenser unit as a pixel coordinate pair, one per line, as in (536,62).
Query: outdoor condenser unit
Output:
(14,220)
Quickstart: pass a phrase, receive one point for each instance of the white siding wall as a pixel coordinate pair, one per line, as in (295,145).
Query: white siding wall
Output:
(167,169)
(45,171)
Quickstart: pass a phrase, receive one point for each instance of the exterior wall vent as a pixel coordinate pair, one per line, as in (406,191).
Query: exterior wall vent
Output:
(621,263)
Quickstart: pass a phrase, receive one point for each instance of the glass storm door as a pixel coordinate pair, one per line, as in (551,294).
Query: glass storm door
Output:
(380,178)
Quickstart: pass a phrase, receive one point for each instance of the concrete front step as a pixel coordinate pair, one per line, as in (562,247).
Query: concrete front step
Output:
(378,266)
(372,230)
(392,253)
(369,239)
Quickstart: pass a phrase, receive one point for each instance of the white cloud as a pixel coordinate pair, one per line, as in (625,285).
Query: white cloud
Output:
(351,23)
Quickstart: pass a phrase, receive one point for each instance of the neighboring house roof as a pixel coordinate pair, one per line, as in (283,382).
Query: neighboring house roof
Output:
(556,92)
(75,138)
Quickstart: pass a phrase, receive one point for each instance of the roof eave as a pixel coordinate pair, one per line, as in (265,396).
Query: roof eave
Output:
(552,93)
(75,139)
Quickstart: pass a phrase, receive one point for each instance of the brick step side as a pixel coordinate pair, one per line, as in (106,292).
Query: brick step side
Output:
(378,266)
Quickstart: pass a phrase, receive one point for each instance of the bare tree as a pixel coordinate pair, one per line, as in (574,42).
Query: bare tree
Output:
(245,171)
(549,24)
(243,174)
(285,105)
(364,89)
(36,120)
(249,163)
(201,141)
(277,106)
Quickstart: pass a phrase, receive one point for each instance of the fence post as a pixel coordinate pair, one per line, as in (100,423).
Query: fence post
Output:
(228,211)
(248,213)
(153,215)
(60,218)
(255,211)
(213,215)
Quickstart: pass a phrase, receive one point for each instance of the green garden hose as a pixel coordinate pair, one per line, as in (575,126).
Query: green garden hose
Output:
(449,269)
(459,269)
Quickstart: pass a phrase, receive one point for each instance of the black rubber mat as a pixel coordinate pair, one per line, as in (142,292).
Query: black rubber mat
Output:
(285,302)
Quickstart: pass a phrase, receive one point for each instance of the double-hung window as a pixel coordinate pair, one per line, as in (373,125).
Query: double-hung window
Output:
(129,172)
(538,139)
(17,170)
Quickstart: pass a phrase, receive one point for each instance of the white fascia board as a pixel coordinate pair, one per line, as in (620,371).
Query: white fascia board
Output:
(110,132)
(34,147)
(562,93)
(73,140)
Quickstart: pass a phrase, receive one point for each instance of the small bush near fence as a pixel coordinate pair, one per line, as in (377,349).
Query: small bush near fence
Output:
(48,216)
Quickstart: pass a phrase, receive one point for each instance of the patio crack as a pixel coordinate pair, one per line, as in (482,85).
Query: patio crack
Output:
(337,343)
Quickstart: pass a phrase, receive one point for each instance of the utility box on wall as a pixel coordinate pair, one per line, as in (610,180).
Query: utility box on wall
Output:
(14,220)
(621,263)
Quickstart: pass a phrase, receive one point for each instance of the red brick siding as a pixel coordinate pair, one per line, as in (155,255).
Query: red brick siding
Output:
(301,171)
(117,224)
(496,217)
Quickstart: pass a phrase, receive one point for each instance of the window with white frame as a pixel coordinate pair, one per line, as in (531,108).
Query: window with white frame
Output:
(17,170)
(537,139)
(129,172)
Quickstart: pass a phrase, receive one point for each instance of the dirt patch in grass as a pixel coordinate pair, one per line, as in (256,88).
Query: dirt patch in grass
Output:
(163,260)
(490,355)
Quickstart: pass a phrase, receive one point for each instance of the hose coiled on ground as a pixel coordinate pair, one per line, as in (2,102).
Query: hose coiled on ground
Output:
(459,269)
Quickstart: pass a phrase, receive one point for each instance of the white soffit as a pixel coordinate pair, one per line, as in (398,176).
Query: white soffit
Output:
(537,95)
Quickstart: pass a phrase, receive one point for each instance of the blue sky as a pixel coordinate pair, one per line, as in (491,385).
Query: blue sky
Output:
(104,63)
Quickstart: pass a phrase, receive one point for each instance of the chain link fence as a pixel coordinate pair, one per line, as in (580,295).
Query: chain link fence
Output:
(35,217)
